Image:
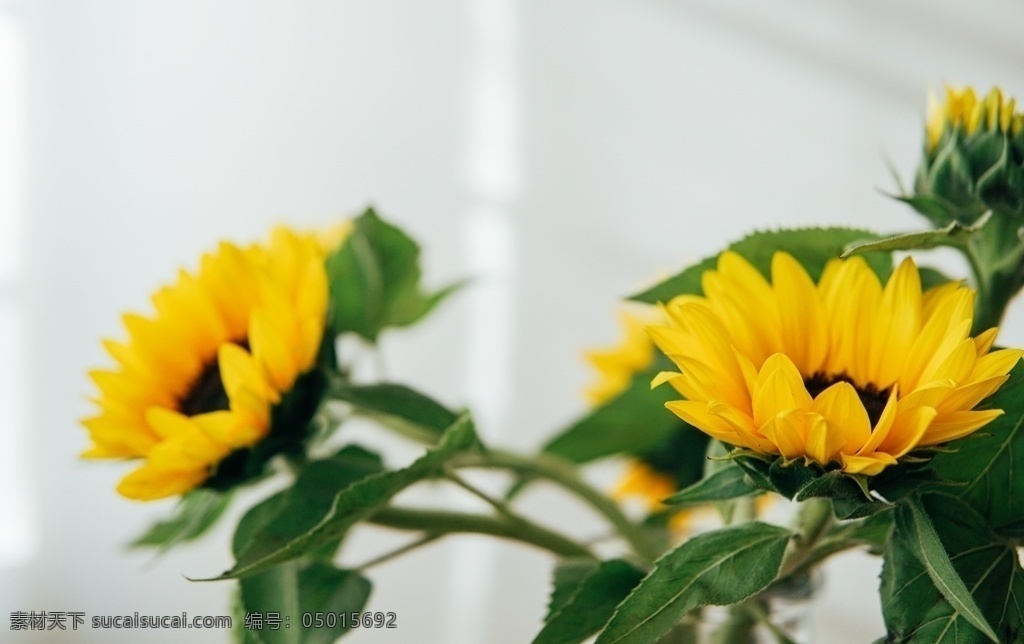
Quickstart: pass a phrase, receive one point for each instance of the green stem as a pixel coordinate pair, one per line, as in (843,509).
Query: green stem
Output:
(388,556)
(444,522)
(998,267)
(565,475)
(738,627)
(813,517)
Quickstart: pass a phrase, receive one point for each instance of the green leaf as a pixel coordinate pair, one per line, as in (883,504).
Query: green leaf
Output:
(630,423)
(915,529)
(728,483)
(584,597)
(916,612)
(954,234)
(295,592)
(299,530)
(930,277)
(720,568)
(329,590)
(987,463)
(196,513)
(312,495)
(398,403)
(934,208)
(375,280)
(569,574)
(812,247)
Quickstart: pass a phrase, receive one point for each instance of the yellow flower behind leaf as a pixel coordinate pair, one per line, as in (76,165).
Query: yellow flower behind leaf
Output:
(617,365)
(845,371)
(641,481)
(965,111)
(198,379)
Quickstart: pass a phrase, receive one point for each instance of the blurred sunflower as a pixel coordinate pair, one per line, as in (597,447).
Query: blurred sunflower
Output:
(845,371)
(963,110)
(199,380)
(616,366)
(652,475)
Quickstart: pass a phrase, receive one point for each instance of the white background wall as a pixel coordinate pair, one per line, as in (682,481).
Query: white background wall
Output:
(567,152)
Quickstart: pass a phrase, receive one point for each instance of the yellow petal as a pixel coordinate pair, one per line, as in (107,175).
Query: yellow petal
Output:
(804,336)
(847,419)
(824,440)
(787,432)
(149,483)
(884,424)
(897,324)
(779,388)
(696,414)
(958,424)
(868,464)
(907,431)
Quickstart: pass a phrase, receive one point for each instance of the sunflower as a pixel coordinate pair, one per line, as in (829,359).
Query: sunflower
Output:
(198,381)
(655,473)
(965,111)
(617,365)
(844,372)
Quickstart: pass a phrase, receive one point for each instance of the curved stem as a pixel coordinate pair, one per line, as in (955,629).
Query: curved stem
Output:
(813,517)
(564,474)
(439,522)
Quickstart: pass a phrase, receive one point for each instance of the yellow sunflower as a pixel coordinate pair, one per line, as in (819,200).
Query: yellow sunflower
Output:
(844,371)
(198,380)
(617,365)
(964,110)
(643,482)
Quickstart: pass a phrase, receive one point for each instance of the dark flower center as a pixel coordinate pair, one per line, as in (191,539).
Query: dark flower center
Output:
(871,397)
(207,392)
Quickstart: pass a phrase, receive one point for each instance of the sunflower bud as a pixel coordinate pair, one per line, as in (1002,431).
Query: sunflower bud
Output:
(973,158)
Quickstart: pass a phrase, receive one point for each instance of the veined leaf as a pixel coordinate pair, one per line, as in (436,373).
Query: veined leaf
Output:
(630,423)
(952,234)
(375,280)
(584,597)
(988,463)
(719,568)
(196,513)
(728,483)
(280,540)
(402,404)
(812,247)
(915,530)
(303,505)
(916,612)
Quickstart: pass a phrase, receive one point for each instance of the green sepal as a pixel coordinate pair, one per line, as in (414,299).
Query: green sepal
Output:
(285,537)
(853,495)
(811,247)
(374,280)
(584,596)
(195,514)
(719,568)
(774,474)
(728,483)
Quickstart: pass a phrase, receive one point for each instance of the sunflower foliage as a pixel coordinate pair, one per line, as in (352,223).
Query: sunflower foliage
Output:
(800,393)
